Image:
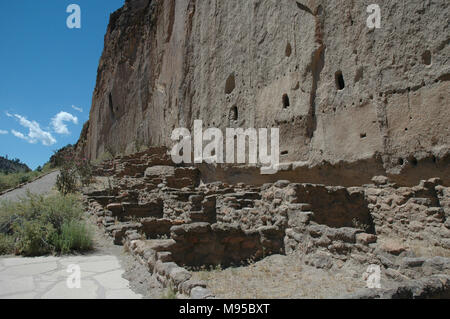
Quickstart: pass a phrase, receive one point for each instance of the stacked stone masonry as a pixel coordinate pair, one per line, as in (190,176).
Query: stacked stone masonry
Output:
(171,221)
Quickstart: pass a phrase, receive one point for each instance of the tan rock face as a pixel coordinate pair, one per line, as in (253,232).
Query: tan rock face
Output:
(374,101)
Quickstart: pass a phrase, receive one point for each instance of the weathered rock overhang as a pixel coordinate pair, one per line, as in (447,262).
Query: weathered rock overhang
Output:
(406,172)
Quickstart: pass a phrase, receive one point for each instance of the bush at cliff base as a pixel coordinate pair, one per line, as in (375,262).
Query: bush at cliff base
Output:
(38,225)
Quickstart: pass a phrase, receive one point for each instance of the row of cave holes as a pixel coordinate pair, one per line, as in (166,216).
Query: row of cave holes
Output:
(234,113)
(339,77)
(230,84)
(413,161)
(340,85)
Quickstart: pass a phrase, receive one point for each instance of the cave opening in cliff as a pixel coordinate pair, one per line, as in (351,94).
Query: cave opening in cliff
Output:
(340,83)
(230,84)
(426,57)
(286,102)
(288,50)
(319,10)
(111,105)
(234,115)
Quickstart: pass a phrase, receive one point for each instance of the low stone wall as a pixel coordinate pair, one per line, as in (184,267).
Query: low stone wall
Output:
(417,213)
(154,256)
(126,210)
(169,221)
(201,244)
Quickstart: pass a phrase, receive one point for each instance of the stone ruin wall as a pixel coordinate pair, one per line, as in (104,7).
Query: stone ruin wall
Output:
(169,219)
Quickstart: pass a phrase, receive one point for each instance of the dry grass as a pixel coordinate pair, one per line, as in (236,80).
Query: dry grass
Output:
(419,248)
(99,183)
(279,277)
(422,250)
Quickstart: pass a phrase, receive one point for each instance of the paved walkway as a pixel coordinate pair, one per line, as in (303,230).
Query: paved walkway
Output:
(38,187)
(52,278)
(47,277)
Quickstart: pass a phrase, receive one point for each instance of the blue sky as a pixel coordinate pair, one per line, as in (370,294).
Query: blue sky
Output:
(47,74)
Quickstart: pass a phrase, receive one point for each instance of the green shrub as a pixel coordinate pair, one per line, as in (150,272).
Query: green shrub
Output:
(74,235)
(34,238)
(47,167)
(84,170)
(66,181)
(59,209)
(73,169)
(170,293)
(3,185)
(6,244)
(40,225)
(24,179)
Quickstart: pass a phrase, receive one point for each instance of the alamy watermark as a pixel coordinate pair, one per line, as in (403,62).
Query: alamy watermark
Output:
(208,146)
(74,279)
(74,19)
(372,276)
(374,19)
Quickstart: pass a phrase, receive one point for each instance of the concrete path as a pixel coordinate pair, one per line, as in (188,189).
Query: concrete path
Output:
(56,278)
(47,277)
(38,187)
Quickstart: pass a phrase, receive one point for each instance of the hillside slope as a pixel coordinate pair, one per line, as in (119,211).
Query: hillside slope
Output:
(8,166)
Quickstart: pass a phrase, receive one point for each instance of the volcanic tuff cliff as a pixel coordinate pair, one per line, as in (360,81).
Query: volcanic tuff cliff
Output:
(350,102)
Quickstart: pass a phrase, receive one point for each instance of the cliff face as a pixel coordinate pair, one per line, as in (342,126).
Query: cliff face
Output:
(365,102)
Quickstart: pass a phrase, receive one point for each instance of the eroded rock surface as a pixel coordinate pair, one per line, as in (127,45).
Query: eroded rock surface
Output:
(351,103)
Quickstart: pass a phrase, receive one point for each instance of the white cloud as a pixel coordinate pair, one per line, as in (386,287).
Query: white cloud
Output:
(58,122)
(19,135)
(79,109)
(35,133)
(2,132)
